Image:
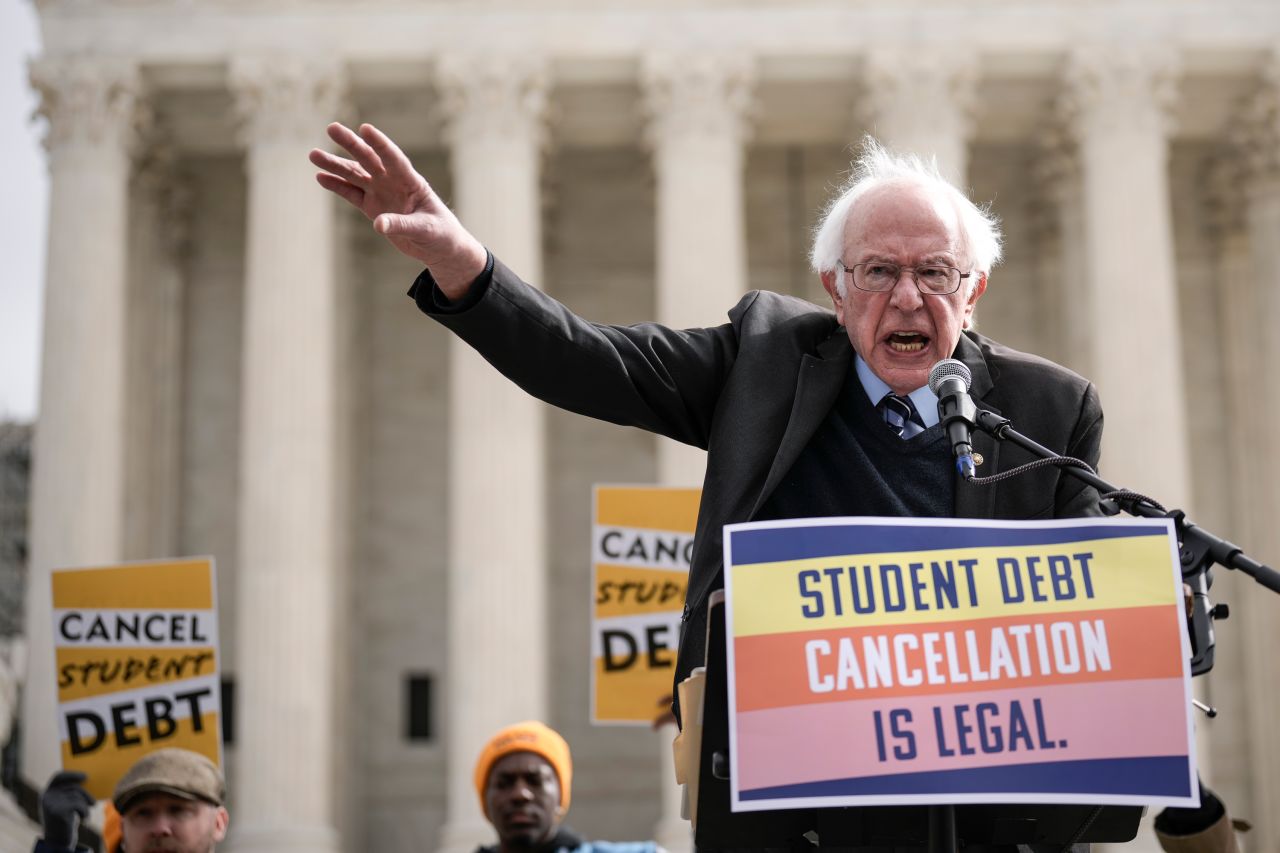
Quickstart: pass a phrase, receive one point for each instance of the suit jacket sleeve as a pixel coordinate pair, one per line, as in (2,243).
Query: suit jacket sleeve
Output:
(1075,498)
(663,380)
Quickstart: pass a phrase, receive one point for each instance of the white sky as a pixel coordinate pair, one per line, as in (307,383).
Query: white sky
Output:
(23,207)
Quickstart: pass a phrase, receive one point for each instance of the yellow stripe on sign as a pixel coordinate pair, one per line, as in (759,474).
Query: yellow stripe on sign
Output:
(83,672)
(106,764)
(650,507)
(176,585)
(628,591)
(945,585)
(637,695)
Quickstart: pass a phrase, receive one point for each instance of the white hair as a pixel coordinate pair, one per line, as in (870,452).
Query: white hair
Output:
(876,166)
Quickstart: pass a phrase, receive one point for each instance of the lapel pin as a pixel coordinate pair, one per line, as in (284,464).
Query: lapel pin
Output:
(977,459)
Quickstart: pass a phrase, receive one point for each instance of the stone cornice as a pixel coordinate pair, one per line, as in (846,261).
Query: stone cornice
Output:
(405,30)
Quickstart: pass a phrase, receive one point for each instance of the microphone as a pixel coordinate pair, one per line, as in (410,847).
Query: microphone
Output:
(949,379)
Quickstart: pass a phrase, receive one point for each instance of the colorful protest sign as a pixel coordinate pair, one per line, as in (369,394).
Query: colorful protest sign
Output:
(136,651)
(899,661)
(641,543)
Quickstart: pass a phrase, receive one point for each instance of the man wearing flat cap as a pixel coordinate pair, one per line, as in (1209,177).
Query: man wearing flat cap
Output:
(524,777)
(170,800)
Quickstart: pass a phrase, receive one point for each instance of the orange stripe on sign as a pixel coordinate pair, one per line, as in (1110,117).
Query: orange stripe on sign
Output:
(89,671)
(627,590)
(178,585)
(108,759)
(799,668)
(650,508)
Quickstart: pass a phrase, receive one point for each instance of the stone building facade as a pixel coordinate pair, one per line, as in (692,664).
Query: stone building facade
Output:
(15,486)
(231,367)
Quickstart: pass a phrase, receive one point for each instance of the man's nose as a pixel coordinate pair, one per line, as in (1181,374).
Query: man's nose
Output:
(905,295)
(161,827)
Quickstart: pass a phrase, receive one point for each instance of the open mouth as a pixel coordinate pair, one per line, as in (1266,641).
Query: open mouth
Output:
(907,342)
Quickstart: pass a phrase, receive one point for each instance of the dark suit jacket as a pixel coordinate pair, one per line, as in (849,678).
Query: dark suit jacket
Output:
(752,392)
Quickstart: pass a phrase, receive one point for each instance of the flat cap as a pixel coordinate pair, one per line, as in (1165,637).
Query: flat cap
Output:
(179,772)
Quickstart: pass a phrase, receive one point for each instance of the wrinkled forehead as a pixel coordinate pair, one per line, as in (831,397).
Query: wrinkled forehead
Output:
(903,210)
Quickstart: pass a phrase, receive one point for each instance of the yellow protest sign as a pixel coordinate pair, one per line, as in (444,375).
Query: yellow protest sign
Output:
(642,541)
(136,657)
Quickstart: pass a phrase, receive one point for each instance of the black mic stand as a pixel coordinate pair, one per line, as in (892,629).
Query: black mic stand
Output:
(1198,549)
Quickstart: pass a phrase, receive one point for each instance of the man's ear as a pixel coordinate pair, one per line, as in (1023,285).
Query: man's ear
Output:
(829,285)
(972,301)
(220,822)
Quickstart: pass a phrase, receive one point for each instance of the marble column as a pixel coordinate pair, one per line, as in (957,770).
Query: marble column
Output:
(1118,105)
(1258,605)
(1232,735)
(157,246)
(922,105)
(77,491)
(1058,173)
(497,481)
(290,531)
(698,107)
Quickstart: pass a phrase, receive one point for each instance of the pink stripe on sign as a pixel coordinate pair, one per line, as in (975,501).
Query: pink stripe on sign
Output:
(812,743)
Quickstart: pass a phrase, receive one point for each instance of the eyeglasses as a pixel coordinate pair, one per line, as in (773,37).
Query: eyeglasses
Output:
(931,280)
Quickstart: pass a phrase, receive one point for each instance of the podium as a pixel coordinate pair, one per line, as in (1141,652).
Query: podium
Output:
(988,828)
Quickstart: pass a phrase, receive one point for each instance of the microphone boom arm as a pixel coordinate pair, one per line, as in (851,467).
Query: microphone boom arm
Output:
(1198,549)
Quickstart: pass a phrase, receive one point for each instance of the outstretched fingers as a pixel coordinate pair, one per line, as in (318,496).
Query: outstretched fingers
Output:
(395,162)
(357,148)
(348,170)
(351,193)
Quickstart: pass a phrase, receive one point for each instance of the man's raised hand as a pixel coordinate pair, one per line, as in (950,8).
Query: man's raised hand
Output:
(380,182)
(63,805)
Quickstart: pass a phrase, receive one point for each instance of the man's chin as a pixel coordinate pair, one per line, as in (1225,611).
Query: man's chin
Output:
(526,838)
(904,378)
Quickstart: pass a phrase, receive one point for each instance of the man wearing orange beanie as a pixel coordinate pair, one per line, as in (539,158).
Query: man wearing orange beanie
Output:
(523,778)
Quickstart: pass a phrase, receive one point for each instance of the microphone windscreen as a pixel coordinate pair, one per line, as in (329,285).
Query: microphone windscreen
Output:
(946,369)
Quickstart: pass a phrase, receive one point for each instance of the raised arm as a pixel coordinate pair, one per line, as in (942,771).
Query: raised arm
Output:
(380,182)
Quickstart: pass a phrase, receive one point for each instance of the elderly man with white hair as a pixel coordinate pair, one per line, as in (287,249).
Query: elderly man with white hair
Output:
(804,412)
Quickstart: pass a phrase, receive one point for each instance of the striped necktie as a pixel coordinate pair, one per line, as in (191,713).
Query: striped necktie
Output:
(898,413)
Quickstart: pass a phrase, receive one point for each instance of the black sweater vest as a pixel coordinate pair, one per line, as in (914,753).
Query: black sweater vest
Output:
(855,465)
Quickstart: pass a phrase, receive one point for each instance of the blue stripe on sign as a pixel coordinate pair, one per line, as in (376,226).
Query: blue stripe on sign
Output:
(771,544)
(1164,776)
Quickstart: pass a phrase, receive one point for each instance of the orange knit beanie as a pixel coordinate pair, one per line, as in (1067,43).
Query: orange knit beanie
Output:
(529,736)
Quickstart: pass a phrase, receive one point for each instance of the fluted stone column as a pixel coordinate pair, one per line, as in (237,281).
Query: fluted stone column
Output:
(1240,330)
(1058,170)
(1259,606)
(157,246)
(922,105)
(77,491)
(698,124)
(497,516)
(289,468)
(698,108)
(1118,100)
